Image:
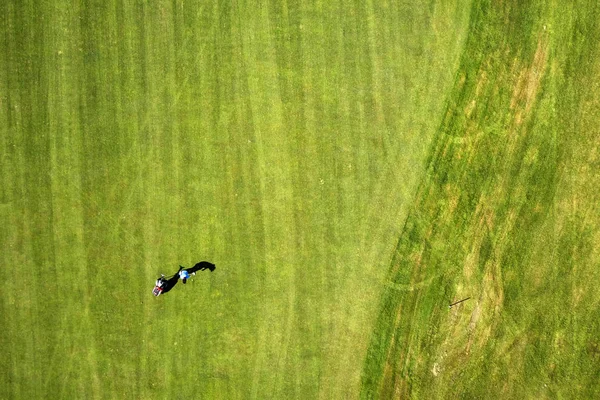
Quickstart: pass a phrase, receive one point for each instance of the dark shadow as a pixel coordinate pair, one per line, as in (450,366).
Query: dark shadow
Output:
(170,283)
(202,265)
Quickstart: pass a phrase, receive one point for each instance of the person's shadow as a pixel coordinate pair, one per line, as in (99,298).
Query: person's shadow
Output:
(202,265)
(172,281)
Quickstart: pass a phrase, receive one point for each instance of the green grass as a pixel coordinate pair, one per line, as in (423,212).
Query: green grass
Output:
(507,215)
(283,141)
(351,167)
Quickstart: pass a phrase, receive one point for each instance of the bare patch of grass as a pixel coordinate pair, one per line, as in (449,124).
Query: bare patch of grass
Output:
(528,82)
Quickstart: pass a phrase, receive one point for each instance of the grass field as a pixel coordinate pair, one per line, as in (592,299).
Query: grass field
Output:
(508,215)
(350,167)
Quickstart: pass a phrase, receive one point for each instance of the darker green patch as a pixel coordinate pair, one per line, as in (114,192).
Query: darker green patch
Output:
(503,168)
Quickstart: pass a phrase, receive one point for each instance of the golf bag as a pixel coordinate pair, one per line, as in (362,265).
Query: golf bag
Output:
(163,285)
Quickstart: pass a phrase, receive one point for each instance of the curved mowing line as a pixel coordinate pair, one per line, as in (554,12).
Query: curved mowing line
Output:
(443,232)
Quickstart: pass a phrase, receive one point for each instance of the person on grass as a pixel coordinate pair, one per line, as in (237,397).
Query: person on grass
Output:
(184,274)
(163,284)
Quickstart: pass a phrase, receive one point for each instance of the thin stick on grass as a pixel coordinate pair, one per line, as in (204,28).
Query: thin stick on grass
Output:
(460,301)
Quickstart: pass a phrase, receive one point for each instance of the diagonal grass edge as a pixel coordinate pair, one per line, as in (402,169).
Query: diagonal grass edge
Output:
(483,216)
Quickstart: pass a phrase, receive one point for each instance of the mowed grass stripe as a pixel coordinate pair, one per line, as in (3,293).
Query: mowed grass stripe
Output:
(112,181)
(266,114)
(281,200)
(30,180)
(68,204)
(30,164)
(305,342)
(9,182)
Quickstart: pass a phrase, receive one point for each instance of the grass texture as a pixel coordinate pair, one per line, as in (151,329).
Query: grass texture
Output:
(351,167)
(507,215)
(282,141)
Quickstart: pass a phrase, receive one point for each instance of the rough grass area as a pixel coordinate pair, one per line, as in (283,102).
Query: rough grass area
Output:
(507,215)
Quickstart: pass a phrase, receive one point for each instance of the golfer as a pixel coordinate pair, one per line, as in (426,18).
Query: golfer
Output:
(184,274)
(163,284)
